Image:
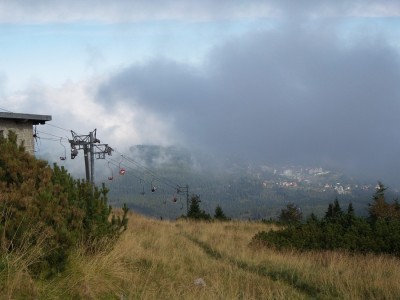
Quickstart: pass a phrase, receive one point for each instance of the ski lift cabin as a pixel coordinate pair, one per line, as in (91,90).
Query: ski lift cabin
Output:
(22,125)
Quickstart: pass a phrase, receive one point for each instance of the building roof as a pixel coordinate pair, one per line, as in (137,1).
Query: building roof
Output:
(35,119)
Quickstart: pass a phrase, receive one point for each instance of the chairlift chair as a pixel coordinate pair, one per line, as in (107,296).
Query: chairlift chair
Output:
(121,170)
(65,151)
(112,173)
(153,187)
(142,183)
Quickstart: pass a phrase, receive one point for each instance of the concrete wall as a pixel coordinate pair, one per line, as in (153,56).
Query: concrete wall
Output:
(24,130)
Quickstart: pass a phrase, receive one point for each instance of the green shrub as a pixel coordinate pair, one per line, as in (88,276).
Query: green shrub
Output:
(337,230)
(291,214)
(67,211)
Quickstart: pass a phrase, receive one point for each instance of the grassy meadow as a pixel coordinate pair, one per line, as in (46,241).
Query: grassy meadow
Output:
(157,259)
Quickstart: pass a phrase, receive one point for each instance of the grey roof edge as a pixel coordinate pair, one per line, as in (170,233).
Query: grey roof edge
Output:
(36,119)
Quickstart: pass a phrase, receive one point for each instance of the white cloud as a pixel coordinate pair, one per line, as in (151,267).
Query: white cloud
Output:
(128,11)
(73,107)
(43,11)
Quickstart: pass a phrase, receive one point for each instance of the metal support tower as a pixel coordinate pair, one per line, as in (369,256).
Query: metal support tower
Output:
(88,143)
(184,189)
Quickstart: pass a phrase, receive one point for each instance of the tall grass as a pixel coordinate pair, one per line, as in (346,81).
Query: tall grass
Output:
(16,264)
(332,274)
(157,259)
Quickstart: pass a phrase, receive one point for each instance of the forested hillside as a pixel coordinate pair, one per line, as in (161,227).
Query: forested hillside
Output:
(244,191)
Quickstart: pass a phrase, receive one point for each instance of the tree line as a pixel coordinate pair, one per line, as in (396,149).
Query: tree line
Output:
(379,232)
(196,213)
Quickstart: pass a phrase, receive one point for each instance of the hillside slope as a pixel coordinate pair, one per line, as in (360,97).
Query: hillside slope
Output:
(245,191)
(186,260)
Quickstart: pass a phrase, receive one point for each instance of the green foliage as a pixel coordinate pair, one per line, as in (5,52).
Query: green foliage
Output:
(291,214)
(334,211)
(219,214)
(194,210)
(337,230)
(380,209)
(63,210)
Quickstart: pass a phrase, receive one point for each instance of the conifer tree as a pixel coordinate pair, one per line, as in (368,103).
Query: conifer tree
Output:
(291,214)
(379,208)
(194,210)
(350,209)
(334,212)
(219,214)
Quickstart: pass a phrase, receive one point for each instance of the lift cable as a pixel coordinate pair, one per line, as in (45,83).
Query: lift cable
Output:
(155,177)
(119,164)
(57,136)
(152,173)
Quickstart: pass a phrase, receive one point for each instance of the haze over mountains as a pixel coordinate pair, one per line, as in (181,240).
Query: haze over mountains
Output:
(311,84)
(244,190)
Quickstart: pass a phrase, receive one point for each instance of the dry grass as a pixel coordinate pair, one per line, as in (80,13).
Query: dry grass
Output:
(162,259)
(15,278)
(327,275)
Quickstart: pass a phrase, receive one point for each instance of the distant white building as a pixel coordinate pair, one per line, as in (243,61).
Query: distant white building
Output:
(315,171)
(287,173)
(22,125)
(339,189)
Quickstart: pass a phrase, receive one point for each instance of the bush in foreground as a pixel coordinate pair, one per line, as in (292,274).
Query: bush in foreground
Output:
(62,210)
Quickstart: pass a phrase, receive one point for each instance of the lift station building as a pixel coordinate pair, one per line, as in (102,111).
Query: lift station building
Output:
(23,126)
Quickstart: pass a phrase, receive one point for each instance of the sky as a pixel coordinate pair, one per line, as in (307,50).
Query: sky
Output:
(311,83)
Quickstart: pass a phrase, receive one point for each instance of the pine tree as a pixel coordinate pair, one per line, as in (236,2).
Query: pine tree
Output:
(334,212)
(194,210)
(379,208)
(292,214)
(350,217)
(219,214)
(350,209)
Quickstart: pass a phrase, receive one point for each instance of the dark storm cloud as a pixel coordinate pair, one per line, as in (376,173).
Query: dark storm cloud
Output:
(284,96)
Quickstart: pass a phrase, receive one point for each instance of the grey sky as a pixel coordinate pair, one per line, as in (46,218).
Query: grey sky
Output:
(298,94)
(275,82)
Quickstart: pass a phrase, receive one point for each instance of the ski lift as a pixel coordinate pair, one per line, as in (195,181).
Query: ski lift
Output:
(153,187)
(175,200)
(65,151)
(142,183)
(36,137)
(121,170)
(74,151)
(112,173)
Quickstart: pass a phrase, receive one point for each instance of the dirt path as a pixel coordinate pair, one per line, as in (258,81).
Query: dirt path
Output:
(289,277)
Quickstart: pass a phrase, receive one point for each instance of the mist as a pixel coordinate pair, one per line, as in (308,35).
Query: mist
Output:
(312,84)
(292,95)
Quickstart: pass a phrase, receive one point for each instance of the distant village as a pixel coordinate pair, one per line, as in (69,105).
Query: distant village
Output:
(315,179)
